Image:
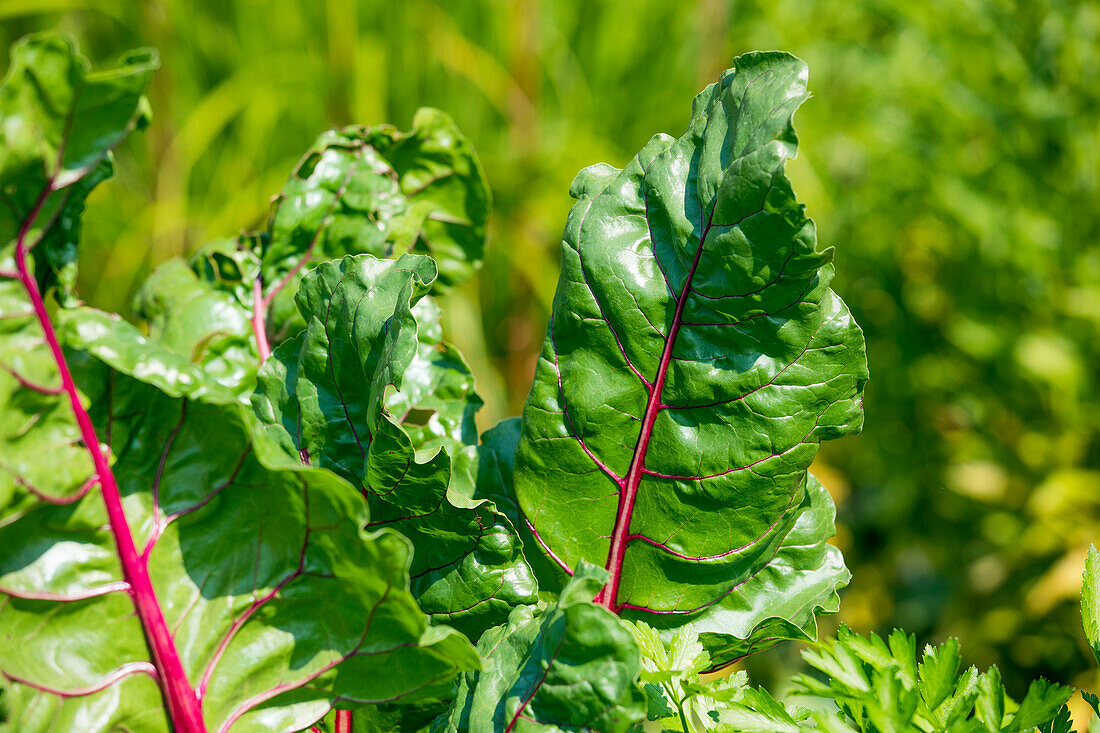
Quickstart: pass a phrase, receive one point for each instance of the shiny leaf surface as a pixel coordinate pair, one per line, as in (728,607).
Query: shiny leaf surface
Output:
(694,360)
(379,191)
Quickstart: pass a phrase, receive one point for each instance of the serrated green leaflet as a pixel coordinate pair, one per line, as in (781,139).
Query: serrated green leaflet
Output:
(323,398)
(568,667)
(694,359)
(879,687)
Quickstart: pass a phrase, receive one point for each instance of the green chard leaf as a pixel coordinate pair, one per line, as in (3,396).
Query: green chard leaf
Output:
(373,190)
(155,566)
(211,319)
(1090,601)
(379,191)
(61,121)
(694,359)
(234,548)
(197,341)
(570,666)
(60,124)
(323,399)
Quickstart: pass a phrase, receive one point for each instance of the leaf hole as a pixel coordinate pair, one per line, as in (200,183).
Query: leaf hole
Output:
(305,170)
(418,417)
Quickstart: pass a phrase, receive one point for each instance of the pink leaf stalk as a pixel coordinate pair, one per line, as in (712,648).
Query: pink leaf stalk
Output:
(620,535)
(260,302)
(183,705)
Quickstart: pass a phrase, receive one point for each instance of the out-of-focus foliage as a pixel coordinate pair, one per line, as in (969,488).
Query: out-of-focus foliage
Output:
(953,152)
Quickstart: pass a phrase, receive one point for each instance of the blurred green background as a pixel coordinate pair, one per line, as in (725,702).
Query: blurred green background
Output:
(951,153)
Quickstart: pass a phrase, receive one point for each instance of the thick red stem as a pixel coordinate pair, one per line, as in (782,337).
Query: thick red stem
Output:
(183,706)
(628,492)
(343,721)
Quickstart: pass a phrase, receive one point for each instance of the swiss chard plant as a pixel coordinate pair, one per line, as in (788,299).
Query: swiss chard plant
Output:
(263,505)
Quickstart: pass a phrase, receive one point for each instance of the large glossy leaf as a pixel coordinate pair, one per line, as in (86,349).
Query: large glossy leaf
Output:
(323,399)
(240,555)
(571,666)
(694,359)
(779,602)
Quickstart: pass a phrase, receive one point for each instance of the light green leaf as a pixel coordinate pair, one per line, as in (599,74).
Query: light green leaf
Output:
(758,712)
(233,548)
(1090,601)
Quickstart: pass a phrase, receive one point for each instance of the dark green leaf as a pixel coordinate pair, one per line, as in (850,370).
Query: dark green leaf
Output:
(568,667)
(61,121)
(694,360)
(657,706)
(1092,700)
(1061,723)
(323,400)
